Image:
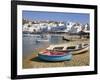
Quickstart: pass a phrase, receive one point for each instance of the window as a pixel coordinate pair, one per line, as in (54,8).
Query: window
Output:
(71,47)
(58,48)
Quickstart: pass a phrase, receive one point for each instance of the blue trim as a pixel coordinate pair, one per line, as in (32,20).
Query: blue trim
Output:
(65,57)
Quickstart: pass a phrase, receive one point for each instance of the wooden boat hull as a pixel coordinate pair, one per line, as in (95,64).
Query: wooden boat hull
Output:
(65,57)
(80,50)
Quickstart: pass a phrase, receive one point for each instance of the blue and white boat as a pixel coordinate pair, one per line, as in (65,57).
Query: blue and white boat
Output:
(62,57)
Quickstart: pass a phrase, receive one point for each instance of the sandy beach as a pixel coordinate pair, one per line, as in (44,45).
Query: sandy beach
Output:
(77,60)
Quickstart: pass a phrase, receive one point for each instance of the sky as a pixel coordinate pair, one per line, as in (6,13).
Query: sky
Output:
(82,18)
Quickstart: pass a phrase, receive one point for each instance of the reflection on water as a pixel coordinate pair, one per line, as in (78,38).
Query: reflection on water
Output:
(32,42)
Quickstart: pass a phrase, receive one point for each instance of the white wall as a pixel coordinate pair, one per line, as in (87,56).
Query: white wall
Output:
(5,30)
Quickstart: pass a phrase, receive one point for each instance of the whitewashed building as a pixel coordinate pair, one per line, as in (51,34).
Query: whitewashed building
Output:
(73,27)
(25,27)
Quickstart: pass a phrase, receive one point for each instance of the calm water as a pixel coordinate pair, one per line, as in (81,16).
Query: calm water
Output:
(32,42)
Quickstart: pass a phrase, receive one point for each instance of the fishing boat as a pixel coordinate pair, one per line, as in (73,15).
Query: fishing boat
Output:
(62,52)
(54,56)
(42,38)
(73,48)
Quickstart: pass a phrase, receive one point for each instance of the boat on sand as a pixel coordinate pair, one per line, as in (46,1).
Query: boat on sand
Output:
(54,56)
(73,48)
(62,52)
